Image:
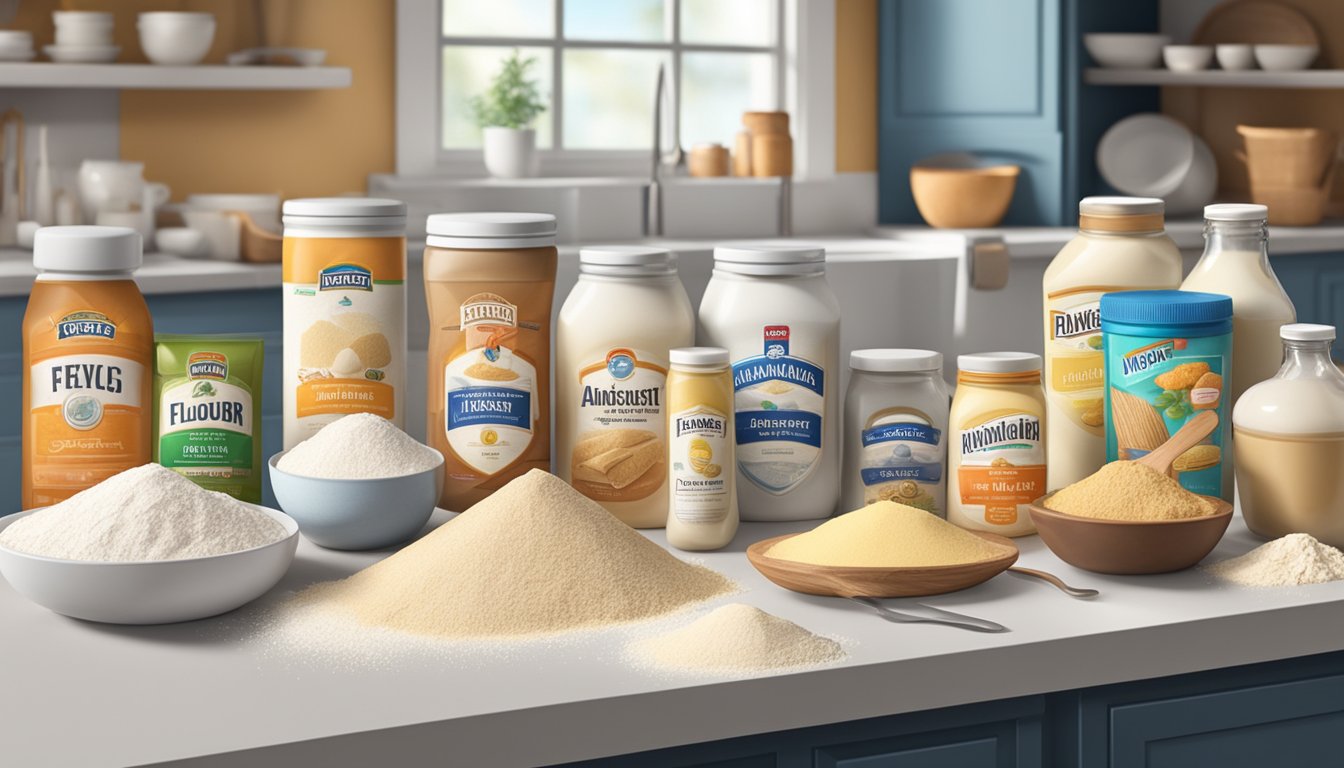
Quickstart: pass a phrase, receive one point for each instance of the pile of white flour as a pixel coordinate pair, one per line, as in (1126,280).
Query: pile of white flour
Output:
(143,514)
(360,446)
(1294,559)
(738,639)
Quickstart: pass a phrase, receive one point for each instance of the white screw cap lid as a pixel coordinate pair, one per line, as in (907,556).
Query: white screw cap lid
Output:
(1000,362)
(506,225)
(1236,212)
(345,207)
(770,253)
(704,356)
(1121,206)
(1307,332)
(625,256)
(87,249)
(895,360)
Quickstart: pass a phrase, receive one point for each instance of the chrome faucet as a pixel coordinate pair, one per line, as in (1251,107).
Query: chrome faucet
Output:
(673,161)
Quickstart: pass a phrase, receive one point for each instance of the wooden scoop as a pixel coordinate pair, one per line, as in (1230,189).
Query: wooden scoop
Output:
(1187,437)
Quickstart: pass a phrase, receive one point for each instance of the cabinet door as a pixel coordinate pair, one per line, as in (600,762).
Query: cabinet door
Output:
(1315,283)
(988,745)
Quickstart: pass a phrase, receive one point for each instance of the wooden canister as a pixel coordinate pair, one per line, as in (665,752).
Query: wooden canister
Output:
(766,123)
(772,155)
(742,154)
(708,160)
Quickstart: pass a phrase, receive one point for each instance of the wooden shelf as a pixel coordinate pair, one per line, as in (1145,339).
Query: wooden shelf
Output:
(1217,78)
(156,77)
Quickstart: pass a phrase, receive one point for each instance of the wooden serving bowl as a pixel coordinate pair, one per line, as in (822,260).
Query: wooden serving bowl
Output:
(1130,547)
(843,581)
(963,198)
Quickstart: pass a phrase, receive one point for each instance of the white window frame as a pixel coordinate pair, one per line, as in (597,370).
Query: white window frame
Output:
(804,83)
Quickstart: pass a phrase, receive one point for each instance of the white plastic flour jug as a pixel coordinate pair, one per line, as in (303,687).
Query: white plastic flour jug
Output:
(770,306)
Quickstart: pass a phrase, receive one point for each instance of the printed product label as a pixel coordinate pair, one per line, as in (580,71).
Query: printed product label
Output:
(701,445)
(779,401)
(1002,464)
(345,331)
(902,460)
(490,390)
(87,407)
(1154,387)
(1074,378)
(205,423)
(619,451)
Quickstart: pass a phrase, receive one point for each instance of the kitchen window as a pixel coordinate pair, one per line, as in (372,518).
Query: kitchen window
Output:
(597,63)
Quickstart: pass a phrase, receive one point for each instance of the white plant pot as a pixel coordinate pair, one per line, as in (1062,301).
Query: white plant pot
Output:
(511,153)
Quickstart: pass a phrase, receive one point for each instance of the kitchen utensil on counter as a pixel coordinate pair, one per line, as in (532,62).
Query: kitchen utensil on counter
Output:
(1130,547)
(1187,58)
(1152,155)
(175,37)
(940,616)
(160,592)
(1285,58)
(842,581)
(1055,581)
(1291,171)
(961,191)
(1255,21)
(1125,50)
(181,241)
(1235,56)
(709,160)
(357,514)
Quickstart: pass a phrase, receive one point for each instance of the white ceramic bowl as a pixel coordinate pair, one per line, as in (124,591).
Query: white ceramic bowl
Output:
(1145,155)
(176,38)
(358,514)
(1123,50)
(1187,58)
(1285,58)
(1235,56)
(160,592)
(83,28)
(182,241)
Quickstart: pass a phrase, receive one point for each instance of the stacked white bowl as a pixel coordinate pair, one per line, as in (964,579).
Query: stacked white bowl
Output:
(16,45)
(82,36)
(176,38)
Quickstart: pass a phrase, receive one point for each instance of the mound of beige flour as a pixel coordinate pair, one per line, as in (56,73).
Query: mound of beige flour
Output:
(1297,558)
(535,558)
(143,514)
(738,639)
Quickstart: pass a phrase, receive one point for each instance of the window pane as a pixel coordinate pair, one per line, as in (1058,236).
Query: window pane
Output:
(609,98)
(717,88)
(623,20)
(729,22)
(499,18)
(467,72)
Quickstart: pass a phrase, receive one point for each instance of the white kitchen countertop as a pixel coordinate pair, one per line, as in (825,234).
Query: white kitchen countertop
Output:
(84,694)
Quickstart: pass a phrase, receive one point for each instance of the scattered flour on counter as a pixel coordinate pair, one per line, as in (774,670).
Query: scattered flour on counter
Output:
(359,446)
(738,639)
(1297,558)
(143,514)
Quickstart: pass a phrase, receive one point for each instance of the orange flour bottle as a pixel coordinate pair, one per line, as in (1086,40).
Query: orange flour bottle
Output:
(88,346)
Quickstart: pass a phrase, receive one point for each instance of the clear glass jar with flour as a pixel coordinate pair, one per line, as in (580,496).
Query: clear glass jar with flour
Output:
(625,313)
(895,437)
(770,306)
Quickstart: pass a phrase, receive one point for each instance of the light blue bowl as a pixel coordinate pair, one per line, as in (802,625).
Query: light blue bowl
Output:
(358,514)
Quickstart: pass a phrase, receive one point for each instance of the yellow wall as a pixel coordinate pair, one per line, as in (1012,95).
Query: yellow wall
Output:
(855,86)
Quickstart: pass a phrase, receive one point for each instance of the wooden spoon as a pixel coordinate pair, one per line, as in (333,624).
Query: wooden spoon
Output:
(1187,437)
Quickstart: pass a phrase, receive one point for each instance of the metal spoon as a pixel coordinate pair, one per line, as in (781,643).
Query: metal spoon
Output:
(943,617)
(1050,578)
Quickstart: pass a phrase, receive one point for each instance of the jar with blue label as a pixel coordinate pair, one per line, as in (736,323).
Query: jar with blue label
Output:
(770,306)
(1168,357)
(895,444)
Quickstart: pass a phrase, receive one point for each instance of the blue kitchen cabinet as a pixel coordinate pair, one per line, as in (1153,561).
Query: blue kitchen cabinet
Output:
(1001,79)
(253,313)
(1315,283)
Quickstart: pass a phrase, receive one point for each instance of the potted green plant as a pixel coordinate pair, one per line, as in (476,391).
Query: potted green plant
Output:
(505,112)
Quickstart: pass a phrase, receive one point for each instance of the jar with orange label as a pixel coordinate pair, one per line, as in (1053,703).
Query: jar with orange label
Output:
(996,451)
(489,283)
(88,347)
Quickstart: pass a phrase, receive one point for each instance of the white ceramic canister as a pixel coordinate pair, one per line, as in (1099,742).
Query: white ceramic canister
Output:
(895,430)
(770,306)
(627,310)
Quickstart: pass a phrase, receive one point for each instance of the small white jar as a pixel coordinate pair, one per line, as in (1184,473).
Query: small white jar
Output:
(770,306)
(895,430)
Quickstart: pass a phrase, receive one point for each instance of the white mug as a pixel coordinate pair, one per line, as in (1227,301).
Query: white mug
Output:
(114,186)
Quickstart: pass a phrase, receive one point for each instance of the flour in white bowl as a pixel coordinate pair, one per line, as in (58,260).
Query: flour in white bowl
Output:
(358,447)
(148,513)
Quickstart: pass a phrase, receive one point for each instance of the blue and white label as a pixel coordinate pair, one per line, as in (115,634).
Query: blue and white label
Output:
(345,277)
(902,460)
(490,407)
(779,402)
(84,324)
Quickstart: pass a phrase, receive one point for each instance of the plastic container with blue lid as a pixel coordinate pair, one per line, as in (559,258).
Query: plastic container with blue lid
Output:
(1168,355)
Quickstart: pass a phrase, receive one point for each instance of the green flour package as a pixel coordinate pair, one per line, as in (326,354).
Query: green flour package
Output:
(207,415)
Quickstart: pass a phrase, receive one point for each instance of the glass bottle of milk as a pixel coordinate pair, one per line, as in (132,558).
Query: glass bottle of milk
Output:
(1236,264)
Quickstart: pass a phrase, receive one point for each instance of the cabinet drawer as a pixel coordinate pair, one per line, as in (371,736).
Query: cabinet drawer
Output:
(998,744)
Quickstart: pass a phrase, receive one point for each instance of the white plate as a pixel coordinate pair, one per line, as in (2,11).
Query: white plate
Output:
(1146,155)
(160,592)
(82,54)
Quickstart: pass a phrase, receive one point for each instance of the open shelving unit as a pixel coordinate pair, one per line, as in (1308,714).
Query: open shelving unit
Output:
(1218,78)
(158,77)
